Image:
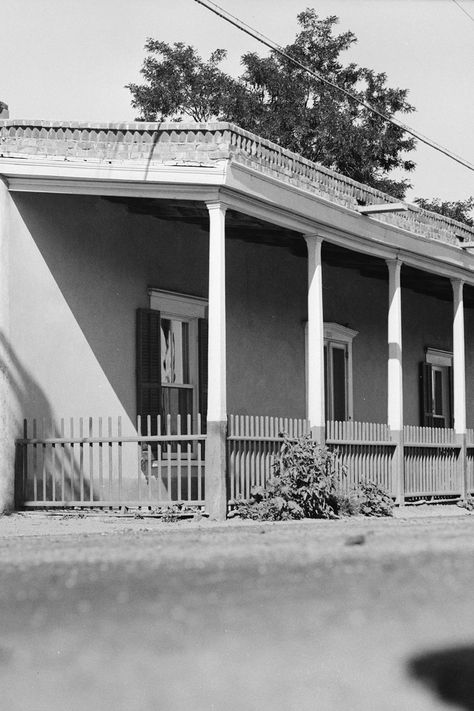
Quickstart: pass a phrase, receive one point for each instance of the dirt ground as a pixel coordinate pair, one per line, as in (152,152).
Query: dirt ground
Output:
(132,614)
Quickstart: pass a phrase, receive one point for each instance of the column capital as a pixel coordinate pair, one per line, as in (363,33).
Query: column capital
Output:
(394,262)
(214,205)
(313,237)
(457,283)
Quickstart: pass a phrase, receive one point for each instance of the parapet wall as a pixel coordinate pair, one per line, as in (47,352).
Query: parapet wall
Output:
(204,144)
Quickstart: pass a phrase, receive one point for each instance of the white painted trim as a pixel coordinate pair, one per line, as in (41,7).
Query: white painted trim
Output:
(336,332)
(435,356)
(175,304)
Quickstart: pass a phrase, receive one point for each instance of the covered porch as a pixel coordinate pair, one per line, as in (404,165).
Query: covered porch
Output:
(171,324)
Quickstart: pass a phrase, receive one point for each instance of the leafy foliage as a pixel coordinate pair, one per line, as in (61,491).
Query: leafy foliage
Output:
(306,484)
(281,102)
(458,209)
(372,500)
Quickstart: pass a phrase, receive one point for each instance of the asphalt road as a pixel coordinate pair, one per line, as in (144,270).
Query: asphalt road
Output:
(135,615)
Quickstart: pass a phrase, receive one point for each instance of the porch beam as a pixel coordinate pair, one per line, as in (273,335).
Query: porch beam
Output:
(459,378)
(315,350)
(395,374)
(216,474)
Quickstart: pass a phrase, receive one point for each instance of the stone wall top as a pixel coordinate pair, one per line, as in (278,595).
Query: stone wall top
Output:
(206,143)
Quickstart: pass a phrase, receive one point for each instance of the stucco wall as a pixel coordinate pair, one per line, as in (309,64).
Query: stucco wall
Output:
(80,266)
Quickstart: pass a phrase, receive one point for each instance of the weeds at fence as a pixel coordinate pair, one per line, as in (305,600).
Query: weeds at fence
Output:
(306,484)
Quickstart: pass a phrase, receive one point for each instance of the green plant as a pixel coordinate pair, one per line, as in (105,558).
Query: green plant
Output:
(304,485)
(373,500)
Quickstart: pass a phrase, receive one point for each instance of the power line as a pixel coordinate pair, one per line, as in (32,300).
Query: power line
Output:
(231,19)
(463,10)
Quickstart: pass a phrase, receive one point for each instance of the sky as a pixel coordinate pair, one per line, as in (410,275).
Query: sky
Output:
(70,60)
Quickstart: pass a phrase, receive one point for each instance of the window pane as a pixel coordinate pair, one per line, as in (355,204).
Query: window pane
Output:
(339,382)
(174,351)
(438,392)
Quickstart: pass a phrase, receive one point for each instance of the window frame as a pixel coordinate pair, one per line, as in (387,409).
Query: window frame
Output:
(338,336)
(441,361)
(188,309)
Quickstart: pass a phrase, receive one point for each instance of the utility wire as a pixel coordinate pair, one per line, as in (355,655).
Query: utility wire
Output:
(225,15)
(463,9)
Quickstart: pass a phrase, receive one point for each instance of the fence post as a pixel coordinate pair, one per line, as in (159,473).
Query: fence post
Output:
(398,466)
(462,465)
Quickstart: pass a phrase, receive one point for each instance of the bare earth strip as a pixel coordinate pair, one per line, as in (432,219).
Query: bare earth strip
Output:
(133,614)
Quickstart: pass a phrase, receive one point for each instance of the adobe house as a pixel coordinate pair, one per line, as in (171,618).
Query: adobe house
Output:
(196,270)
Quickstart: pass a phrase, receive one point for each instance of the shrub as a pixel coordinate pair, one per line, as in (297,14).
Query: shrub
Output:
(304,485)
(373,500)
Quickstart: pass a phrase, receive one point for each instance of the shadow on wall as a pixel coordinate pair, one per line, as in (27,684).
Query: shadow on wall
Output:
(449,673)
(22,388)
(98,260)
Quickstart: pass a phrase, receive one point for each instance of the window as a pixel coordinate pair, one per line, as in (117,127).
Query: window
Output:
(172,358)
(338,371)
(436,388)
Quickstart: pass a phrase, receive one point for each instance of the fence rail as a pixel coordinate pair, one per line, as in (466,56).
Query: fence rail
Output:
(93,462)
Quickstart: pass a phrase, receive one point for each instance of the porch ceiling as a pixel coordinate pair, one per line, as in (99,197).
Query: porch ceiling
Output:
(250,229)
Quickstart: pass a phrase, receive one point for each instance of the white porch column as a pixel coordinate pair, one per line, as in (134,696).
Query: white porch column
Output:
(459,378)
(459,369)
(7,435)
(216,497)
(315,351)
(395,373)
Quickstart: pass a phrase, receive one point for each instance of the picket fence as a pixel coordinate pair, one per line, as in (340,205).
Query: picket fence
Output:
(433,461)
(96,462)
(102,462)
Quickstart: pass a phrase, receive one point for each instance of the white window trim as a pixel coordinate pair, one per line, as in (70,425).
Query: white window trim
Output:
(435,356)
(336,333)
(186,308)
(173,303)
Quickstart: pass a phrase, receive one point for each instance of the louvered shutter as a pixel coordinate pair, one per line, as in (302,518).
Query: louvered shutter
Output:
(203,378)
(148,360)
(451,396)
(426,395)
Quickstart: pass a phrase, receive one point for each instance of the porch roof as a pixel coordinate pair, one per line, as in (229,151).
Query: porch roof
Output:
(207,145)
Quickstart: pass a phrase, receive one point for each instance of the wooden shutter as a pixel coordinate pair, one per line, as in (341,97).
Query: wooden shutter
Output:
(203,351)
(426,395)
(148,366)
(451,396)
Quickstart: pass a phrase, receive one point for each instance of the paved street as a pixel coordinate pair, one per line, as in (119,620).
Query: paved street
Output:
(133,614)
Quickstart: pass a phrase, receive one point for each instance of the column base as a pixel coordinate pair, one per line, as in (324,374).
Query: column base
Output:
(216,470)
(318,433)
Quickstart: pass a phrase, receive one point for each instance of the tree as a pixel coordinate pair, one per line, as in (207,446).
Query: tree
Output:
(458,210)
(281,102)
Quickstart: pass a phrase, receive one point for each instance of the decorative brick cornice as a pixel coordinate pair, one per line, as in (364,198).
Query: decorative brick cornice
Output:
(206,143)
